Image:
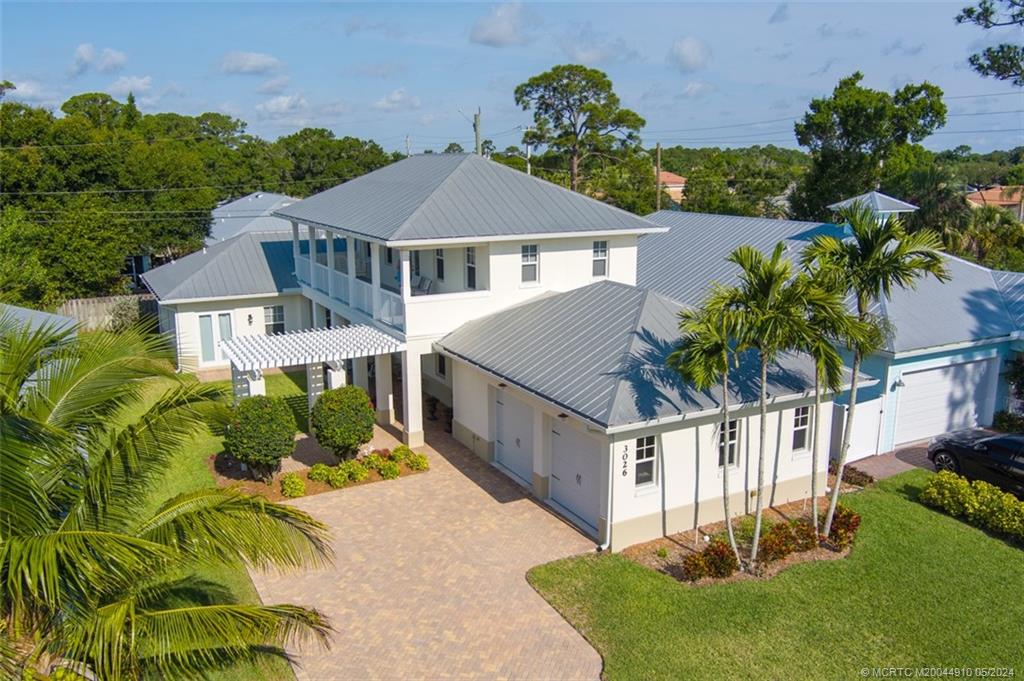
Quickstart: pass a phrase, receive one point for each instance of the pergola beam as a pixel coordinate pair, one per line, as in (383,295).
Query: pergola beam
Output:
(255,353)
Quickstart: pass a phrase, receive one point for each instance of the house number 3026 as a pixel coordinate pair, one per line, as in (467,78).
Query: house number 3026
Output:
(625,460)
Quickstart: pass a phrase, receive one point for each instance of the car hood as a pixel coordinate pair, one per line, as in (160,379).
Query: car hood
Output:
(968,436)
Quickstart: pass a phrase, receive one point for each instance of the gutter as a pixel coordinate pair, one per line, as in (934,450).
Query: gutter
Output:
(964,345)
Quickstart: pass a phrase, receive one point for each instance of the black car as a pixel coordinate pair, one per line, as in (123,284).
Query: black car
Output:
(981,455)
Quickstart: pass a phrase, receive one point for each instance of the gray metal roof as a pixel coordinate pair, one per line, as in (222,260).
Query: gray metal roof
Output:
(878,202)
(450,196)
(250,213)
(599,352)
(36,319)
(251,263)
(1012,286)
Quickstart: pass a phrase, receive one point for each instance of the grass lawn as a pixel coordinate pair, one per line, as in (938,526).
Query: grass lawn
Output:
(918,589)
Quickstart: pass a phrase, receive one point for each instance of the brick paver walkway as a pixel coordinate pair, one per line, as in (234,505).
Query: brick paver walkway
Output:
(429,579)
(903,459)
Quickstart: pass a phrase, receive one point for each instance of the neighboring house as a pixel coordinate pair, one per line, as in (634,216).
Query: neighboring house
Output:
(242,286)
(252,213)
(673,185)
(36,319)
(880,204)
(1011,198)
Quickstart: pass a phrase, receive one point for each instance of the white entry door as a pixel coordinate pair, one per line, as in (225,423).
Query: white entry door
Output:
(576,473)
(934,401)
(513,446)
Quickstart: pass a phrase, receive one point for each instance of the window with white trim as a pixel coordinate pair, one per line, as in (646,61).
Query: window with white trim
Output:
(273,319)
(645,450)
(439,264)
(529,260)
(442,365)
(471,268)
(733,443)
(600,268)
(801,427)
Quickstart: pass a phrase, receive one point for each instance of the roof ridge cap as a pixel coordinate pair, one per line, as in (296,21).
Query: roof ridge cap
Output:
(631,340)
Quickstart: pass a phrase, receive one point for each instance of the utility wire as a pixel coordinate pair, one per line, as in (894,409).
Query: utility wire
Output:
(168,189)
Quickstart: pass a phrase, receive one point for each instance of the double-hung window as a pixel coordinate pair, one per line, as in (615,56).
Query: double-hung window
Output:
(729,444)
(645,449)
(529,260)
(600,268)
(273,319)
(801,427)
(471,268)
(439,263)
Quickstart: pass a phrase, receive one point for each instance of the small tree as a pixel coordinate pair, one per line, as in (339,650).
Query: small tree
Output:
(343,420)
(261,433)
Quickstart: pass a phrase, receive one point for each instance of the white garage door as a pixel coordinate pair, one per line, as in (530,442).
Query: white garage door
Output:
(576,473)
(934,401)
(513,446)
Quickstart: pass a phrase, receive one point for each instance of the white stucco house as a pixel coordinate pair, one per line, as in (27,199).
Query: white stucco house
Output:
(540,317)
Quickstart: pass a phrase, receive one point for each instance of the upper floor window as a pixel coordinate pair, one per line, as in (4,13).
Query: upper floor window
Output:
(442,365)
(273,319)
(732,444)
(801,427)
(471,267)
(389,256)
(529,258)
(645,449)
(600,259)
(439,263)
(414,263)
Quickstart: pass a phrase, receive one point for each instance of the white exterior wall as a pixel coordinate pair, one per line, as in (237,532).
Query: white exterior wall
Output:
(186,323)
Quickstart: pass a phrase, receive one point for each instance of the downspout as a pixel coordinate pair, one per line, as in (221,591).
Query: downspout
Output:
(611,499)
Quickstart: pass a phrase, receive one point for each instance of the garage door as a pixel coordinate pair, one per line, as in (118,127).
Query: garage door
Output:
(936,400)
(576,474)
(513,446)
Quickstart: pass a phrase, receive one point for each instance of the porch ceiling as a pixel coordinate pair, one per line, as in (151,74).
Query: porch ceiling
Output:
(253,353)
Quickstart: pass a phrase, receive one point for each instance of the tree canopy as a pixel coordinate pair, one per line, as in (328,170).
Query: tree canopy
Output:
(1004,61)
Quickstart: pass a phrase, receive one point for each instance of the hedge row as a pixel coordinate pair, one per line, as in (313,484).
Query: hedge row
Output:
(385,462)
(980,503)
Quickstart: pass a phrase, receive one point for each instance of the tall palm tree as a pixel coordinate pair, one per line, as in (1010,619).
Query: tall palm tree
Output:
(708,339)
(90,573)
(878,257)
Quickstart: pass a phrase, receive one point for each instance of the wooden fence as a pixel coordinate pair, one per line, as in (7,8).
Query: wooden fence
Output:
(98,313)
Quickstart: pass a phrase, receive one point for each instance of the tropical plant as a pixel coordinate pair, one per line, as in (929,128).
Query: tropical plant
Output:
(708,343)
(91,574)
(879,257)
(343,419)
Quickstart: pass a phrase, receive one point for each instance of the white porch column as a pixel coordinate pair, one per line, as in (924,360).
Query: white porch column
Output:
(295,239)
(361,374)
(239,384)
(385,401)
(314,382)
(336,374)
(257,384)
(412,397)
(406,274)
(330,264)
(350,254)
(311,237)
(375,277)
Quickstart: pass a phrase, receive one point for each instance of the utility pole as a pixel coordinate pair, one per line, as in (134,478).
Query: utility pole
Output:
(476,131)
(407,151)
(529,147)
(657,181)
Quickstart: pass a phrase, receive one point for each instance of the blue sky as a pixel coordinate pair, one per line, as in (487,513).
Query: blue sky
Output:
(702,74)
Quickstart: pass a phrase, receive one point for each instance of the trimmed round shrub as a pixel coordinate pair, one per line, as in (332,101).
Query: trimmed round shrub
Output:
(292,485)
(261,433)
(417,462)
(389,470)
(342,420)
(356,471)
(320,472)
(950,492)
(338,477)
(401,453)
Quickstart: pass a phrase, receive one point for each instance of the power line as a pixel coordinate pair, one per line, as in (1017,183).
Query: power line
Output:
(169,189)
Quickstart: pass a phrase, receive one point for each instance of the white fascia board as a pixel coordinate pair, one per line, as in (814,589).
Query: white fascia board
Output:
(965,345)
(540,236)
(247,296)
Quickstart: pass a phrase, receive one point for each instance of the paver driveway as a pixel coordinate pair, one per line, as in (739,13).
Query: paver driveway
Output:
(429,580)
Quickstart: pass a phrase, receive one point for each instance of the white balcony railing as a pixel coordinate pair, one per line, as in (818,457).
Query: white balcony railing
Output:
(390,309)
(302,269)
(320,278)
(362,296)
(339,286)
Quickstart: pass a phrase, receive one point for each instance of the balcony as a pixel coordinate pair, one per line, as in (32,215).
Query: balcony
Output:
(302,270)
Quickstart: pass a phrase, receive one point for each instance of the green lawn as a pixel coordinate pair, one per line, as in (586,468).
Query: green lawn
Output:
(189,471)
(918,589)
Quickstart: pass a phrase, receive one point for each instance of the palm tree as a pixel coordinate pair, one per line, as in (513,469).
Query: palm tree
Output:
(708,339)
(878,257)
(90,572)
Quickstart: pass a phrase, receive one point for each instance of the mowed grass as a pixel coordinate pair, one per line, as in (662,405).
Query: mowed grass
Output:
(918,589)
(189,471)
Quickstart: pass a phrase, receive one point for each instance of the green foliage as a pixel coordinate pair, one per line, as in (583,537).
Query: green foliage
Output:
(261,433)
(292,485)
(338,477)
(662,552)
(777,542)
(1006,60)
(714,560)
(342,420)
(319,472)
(1008,422)
(124,315)
(373,461)
(401,453)
(417,462)
(845,524)
(978,502)
(804,535)
(356,470)
(389,470)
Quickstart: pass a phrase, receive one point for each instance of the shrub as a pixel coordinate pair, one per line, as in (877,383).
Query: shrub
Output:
(417,462)
(803,534)
(662,552)
(695,566)
(982,504)
(373,461)
(338,477)
(292,485)
(261,433)
(743,529)
(354,470)
(844,526)
(389,470)
(124,314)
(320,472)
(951,493)
(777,543)
(852,476)
(1008,422)
(401,453)
(342,419)
(720,559)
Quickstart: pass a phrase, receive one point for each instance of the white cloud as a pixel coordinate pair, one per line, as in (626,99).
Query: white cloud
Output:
(689,54)
(379,69)
(32,92)
(696,88)
(274,86)
(111,60)
(282,105)
(506,25)
(125,84)
(780,14)
(337,107)
(587,46)
(829,31)
(249,63)
(397,100)
(82,60)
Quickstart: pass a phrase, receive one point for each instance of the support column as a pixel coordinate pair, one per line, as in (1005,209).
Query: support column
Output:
(406,274)
(311,232)
(314,382)
(385,400)
(375,278)
(257,384)
(330,264)
(350,255)
(412,396)
(335,375)
(361,374)
(295,239)
(239,384)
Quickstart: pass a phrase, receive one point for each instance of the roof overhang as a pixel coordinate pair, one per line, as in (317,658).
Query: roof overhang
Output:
(255,353)
(965,345)
(246,296)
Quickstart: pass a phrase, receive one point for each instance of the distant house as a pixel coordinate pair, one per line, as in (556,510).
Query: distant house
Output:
(674,185)
(1010,197)
(252,213)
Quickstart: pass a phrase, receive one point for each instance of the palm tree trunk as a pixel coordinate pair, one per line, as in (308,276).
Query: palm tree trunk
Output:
(847,432)
(759,508)
(725,468)
(814,448)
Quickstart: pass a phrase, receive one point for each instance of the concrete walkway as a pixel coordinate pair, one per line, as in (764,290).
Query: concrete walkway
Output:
(903,459)
(429,579)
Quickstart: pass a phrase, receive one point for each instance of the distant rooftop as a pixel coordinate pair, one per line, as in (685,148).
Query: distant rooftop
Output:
(668,178)
(880,203)
(36,319)
(250,213)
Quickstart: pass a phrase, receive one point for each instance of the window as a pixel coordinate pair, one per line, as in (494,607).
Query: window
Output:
(645,448)
(600,259)
(442,365)
(471,268)
(529,258)
(801,427)
(206,343)
(439,263)
(273,319)
(389,256)
(733,445)
(415,266)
